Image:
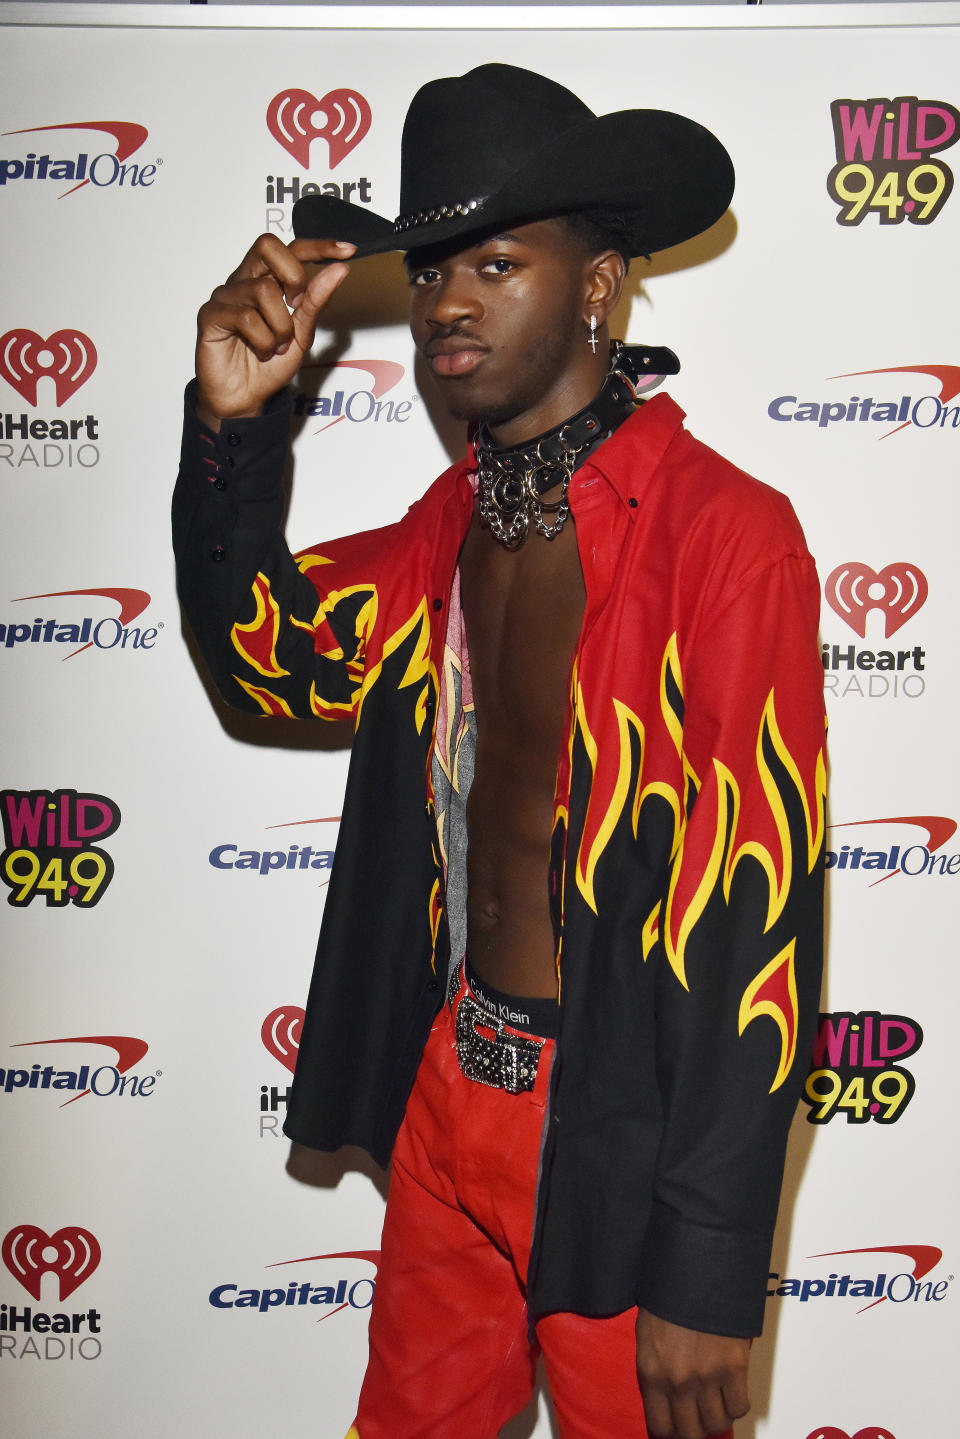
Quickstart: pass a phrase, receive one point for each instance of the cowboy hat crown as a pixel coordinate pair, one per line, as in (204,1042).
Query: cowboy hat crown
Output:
(501,145)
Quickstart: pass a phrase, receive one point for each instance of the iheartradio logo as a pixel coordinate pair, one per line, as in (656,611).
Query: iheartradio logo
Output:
(295,118)
(72,1254)
(68,357)
(898,591)
(830,1431)
(280,1033)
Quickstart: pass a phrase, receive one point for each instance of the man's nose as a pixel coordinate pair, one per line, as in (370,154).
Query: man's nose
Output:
(454,301)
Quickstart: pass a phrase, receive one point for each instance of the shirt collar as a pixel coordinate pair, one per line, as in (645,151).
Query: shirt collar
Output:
(627,460)
(631,455)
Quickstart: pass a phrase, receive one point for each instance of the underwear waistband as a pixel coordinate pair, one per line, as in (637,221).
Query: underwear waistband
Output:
(534,1015)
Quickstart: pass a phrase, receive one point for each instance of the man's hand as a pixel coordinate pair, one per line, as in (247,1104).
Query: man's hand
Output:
(693,1384)
(254,331)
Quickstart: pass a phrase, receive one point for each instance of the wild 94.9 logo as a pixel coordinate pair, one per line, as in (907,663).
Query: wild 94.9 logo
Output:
(885,159)
(49,850)
(858,1069)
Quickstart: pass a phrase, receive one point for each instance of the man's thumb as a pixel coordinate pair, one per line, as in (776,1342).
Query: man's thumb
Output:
(313,299)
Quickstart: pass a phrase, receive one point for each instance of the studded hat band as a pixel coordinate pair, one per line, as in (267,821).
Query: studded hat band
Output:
(438,212)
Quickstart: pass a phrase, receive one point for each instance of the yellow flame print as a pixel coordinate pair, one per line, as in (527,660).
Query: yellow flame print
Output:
(774,993)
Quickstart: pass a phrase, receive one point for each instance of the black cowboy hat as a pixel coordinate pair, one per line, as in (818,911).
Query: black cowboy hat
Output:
(501,145)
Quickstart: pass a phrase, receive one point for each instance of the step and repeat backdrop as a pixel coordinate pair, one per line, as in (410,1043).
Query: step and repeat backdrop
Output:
(168,1264)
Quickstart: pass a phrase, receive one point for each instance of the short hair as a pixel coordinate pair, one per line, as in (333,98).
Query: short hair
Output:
(597,230)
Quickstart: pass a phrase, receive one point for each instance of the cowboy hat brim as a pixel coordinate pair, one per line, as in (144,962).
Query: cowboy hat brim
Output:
(654,177)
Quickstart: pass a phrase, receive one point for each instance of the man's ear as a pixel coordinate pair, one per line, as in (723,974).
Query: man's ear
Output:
(605,276)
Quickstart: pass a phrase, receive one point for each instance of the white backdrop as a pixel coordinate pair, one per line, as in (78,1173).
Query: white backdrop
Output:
(154,946)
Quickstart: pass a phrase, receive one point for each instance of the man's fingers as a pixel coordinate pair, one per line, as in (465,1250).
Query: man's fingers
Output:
(689,1413)
(657,1412)
(714,1415)
(268,255)
(230,306)
(314,251)
(736,1395)
(224,325)
(694,1384)
(262,338)
(254,331)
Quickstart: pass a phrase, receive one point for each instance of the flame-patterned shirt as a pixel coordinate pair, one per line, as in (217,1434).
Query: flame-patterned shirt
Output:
(686,866)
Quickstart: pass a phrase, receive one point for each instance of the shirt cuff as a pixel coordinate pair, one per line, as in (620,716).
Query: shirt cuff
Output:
(246,455)
(711,1280)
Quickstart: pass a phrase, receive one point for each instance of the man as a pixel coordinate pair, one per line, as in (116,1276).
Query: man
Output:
(612,633)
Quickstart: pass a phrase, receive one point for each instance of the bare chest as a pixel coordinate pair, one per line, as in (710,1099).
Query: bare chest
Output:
(523,611)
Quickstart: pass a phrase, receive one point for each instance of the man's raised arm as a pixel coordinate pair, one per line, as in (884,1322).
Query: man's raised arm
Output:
(233,566)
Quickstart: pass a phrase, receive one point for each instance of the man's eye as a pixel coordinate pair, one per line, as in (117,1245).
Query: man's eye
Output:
(424,277)
(499,266)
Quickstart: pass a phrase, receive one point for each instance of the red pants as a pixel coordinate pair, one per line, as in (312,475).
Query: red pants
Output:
(450,1356)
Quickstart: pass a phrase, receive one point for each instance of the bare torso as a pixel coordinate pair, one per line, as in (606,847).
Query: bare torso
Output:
(523,611)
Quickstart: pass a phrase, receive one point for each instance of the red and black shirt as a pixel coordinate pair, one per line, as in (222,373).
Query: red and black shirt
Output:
(686,864)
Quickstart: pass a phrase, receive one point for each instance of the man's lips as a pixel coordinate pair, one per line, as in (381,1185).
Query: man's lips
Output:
(453,356)
(459,362)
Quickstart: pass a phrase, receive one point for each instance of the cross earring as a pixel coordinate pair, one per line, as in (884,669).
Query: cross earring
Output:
(592,337)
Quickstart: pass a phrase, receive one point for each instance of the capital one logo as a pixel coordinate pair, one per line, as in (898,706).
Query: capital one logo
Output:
(900,858)
(72,1254)
(924,412)
(105,169)
(359,405)
(67,357)
(99,632)
(101,1080)
(898,591)
(908,1287)
(280,1033)
(295,118)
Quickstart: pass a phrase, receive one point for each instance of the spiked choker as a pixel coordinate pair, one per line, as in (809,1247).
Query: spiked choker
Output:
(512,482)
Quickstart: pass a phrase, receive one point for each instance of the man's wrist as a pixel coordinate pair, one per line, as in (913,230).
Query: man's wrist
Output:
(213,421)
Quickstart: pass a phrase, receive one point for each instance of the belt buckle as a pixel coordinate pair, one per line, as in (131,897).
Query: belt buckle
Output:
(508,1062)
(514,1080)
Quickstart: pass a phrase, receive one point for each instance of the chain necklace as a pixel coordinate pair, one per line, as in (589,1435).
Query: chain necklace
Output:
(512,482)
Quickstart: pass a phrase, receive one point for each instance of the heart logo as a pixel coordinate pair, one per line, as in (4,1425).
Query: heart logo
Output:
(295,118)
(69,357)
(830,1431)
(280,1033)
(854,589)
(72,1254)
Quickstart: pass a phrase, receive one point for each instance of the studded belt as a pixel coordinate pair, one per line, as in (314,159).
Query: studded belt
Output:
(508,1061)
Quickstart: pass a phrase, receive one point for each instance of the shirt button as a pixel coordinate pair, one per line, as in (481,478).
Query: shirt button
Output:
(218,553)
(632,503)
(219,483)
(438,603)
(233,438)
(428,809)
(230,461)
(433,985)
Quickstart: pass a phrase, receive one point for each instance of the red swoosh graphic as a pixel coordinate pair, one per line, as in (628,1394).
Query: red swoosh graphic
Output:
(938,827)
(290,823)
(948,377)
(385,374)
(924,1257)
(371,1255)
(128,1050)
(132,603)
(128,135)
